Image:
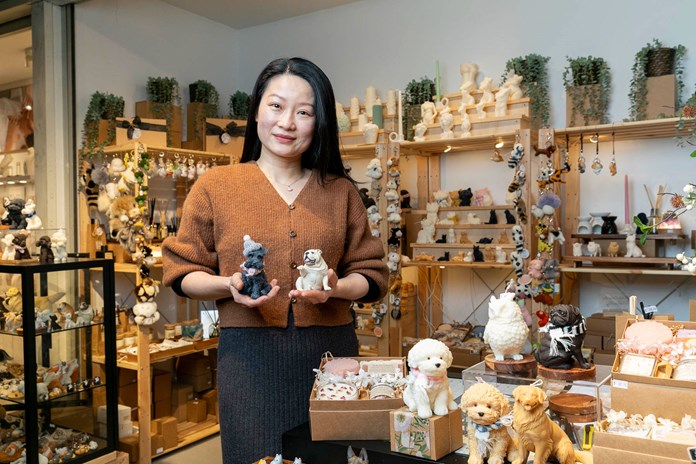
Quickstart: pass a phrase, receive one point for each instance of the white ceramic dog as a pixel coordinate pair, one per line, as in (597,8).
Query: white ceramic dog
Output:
(427,387)
(29,212)
(594,249)
(577,249)
(8,251)
(314,273)
(633,250)
(427,232)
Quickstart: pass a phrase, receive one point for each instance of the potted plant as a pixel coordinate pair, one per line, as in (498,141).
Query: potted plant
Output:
(587,81)
(654,60)
(686,127)
(415,94)
(102,106)
(163,92)
(535,84)
(239,105)
(204,98)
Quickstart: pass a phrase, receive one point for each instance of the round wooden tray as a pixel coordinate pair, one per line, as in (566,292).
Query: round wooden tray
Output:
(573,403)
(525,367)
(575,373)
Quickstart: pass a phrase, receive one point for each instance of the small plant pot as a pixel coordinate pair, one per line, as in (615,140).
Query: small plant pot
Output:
(660,62)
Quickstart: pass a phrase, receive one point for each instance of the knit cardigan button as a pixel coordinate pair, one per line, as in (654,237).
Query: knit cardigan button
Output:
(293,234)
(291,206)
(293,265)
(293,300)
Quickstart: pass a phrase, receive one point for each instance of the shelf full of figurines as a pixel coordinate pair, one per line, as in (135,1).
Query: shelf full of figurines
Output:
(57,403)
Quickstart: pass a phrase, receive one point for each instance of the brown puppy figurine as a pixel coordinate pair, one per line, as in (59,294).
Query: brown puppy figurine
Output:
(488,437)
(538,433)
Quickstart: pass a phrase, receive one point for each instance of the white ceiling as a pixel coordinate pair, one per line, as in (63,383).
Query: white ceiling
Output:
(239,14)
(13,69)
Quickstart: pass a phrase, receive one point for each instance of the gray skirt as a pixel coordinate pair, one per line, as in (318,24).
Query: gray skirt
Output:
(264,381)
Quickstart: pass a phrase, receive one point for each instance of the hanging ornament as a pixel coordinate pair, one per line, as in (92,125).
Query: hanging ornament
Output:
(581,158)
(596,162)
(566,157)
(612,163)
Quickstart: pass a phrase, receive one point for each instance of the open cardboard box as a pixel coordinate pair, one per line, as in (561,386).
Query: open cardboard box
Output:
(352,419)
(611,448)
(616,375)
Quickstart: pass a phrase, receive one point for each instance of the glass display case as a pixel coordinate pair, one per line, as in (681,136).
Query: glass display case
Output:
(56,403)
(597,387)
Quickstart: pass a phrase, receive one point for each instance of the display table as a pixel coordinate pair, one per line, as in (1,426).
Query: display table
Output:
(298,443)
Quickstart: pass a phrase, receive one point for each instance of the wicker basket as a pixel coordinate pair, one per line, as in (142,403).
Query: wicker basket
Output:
(660,62)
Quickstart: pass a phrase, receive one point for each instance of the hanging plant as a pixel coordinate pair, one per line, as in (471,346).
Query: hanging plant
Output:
(654,60)
(535,84)
(587,79)
(415,94)
(101,106)
(163,92)
(239,105)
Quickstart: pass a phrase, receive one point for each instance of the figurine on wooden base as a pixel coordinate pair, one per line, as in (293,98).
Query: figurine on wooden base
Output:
(506,331)
(561,347)
(427,387)
(501,99)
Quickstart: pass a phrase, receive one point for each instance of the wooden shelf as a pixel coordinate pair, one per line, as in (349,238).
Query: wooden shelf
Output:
(458,144)
(358,151)
(475,208)
(474,226)
(609,261)
(16,180)
(621,270)
(222,158)
(457,264)
(191,432)
(461,246)
(130,361)
(623,236)
(128,268)
(633,130)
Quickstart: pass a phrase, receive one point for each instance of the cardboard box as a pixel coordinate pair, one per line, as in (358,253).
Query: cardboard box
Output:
(601,324)
(180,412)
(156,443)
(692,310)
(200,382)
(161,385)
(123,413)
(167,428)
(193,364)
(156,135)
(181,393)
(661,96)
(130,445)
(352,419)
(612,448)
(196,411)
(162,408)
(126,376)
(605,358)
(667,402)
(616,375)
(592,341)
(128,395)
(579,119)
(233,127)
(211,398)
(430,438)
(146,109)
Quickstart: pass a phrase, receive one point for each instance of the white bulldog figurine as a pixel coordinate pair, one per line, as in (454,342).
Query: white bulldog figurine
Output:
(314,273)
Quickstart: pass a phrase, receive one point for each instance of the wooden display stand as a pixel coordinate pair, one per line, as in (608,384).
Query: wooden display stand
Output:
(525,367)
(147,109)
(574,406)
(574,373)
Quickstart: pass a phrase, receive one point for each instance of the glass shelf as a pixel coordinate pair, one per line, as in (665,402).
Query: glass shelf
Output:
(60,399)
(49,332)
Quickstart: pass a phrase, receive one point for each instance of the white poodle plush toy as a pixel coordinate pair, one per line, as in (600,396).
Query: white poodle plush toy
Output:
(427,387)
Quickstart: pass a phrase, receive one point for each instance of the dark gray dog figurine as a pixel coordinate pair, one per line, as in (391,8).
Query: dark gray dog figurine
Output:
(561,345)
(45,252)
(253,274)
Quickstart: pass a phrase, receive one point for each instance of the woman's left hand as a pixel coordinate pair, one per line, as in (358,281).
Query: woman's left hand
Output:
(317,296)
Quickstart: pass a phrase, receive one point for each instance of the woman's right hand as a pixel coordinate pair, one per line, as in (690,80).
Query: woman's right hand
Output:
(236,285)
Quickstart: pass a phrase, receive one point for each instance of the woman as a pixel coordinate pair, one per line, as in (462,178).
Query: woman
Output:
(290,193)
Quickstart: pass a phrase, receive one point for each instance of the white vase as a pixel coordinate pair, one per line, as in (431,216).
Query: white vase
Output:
(354,108)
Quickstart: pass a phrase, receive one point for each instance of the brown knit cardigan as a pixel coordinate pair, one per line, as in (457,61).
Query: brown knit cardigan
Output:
(231,201)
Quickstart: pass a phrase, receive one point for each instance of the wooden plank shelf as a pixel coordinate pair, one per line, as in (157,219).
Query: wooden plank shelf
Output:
(221,158)
(458,144)
(623,236)
(622,270)
(444,264)
(191,432)
(474,208)
(460,246)
(610,261)
(474,226)
(632,130)
(130,361)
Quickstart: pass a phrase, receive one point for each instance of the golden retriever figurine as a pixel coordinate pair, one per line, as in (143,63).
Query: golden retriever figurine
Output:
(485,406)
(538,433)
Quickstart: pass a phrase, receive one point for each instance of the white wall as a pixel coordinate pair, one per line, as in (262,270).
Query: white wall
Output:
(387,43)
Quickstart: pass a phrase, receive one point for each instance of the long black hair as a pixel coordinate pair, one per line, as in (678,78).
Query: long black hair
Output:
(323,153)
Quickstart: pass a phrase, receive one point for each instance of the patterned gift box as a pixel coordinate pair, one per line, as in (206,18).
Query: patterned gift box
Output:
(430,438)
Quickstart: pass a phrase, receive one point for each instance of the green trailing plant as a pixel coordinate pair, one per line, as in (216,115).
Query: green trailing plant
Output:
(105,106)
(415,94)
(535,84)
(203,92)
(239,105)
(639,89)
(686,126)
(588,79)
(163,92)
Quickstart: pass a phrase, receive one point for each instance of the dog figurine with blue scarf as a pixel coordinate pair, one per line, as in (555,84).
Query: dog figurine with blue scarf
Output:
(488,418)
(561,344)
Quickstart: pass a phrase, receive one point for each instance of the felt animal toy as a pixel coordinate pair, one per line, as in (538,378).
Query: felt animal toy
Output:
(427,387)
(393,213)
(253,274)
(515,155)
(391,195)
(473,218)
(14,217)
(8,250)
(556,236)
(550,270)
(518,179)
(395,237)
(373,215)
(518,239)
(534,268)
(509,218)
(374,169)
(561,346)
(145,310)
(594,249)
(365,197)
(405,199)
(506,330)
(58,244)
(632,250)
(613,249)
(484,407)
(427,232)
(359,459)
(393,261)
(538,433)
(20,246)
(482,197)
(465,197)
(45,252)
(478,255)
(442,198)
(29,212)
(123,213)
(577,249)
(314,273)
(493,218)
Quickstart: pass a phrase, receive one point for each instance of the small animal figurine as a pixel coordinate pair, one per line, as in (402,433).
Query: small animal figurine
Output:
(145,310)
(577,249)
(613,249)
(29,212)
(58,244)
(8,251)
(594,249)
(427,390)
(85,314)
(465,196)
(509,217)
(506,331)
(20,246)
(314,273)
(253,274)
(359,459)
(632,250)
(561,346)
(478,255)
(13,213)
(45,251)
(493,218)
(500,255)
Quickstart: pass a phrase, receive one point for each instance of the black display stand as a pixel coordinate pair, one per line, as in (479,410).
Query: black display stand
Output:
(298,443)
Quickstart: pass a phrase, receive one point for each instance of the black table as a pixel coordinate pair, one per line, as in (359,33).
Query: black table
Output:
(298,443)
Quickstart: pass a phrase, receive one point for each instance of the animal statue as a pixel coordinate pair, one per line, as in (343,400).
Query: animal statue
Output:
(20,246)
(506,330)
(561,345)
(253,274)
(45,252)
